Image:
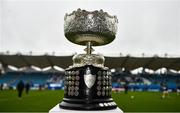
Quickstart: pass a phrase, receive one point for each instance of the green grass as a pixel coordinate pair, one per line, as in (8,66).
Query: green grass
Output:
(43,101)
(35,101)
(147,101)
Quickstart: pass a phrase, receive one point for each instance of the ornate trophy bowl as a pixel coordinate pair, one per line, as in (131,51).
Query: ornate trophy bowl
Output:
(88,81)
(96,27)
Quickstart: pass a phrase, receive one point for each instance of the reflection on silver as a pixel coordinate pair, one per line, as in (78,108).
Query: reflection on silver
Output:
(76,93)
(103,93)
(104,78)
(77,72)
(69,88)
(107,88)
(107,77)
(72,93)
(104,73)
(101,104)
(98,93)
(98,87)
(65,87)
(89,79)
(100,31)
(109,73)
(107,93)
(109,104)
(73,77)
(70,77)
(99,82)
(101,27)
(107,83)
(77,77)
(69,72)
(105,104)
(72,82)
(88,59)
(99,77)
(77,83)
(104,82)
(110,78)
(65,73)
(113,103)
(87,91)
(69,82)
(76,88)
(73,72)
(72,88)
(103,88)
(99,73)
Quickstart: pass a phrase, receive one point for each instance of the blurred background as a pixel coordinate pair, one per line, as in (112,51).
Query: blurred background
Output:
(144,63)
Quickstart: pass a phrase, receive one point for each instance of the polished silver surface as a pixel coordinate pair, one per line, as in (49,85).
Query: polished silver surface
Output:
(83,26)
(99,82)
(81,87)
(76,83)
(77,77)
(80,60)
(73,77)
(98,87)
(76,93)
(99,93)
(69,82)
(72,82)
(76,88)
(104,73)
(103,93)
(99,77)
(89,79)
(77,73)
(107,93)
(101,104)
(72,88)
(99,73)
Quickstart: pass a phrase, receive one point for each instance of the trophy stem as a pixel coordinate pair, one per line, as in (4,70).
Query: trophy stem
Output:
(89,48)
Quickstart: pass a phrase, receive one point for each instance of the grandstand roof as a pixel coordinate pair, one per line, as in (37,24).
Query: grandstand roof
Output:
(127,62)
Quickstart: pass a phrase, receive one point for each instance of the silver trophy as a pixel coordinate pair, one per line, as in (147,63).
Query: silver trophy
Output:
(88,81)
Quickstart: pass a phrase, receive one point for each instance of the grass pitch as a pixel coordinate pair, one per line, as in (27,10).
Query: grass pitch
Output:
(43,101)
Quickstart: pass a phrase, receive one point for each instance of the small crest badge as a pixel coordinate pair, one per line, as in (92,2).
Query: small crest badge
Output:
(89,79)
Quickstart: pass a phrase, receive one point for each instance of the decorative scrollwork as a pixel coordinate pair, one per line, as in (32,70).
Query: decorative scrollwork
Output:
(97,27)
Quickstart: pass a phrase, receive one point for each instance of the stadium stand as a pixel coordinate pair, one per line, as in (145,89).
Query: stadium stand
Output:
(53,79)
(144,82)
(136,82)
(36,79)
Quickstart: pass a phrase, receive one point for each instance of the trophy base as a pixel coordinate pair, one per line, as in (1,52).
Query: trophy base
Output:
(87,88)
(89,106)
(56,109)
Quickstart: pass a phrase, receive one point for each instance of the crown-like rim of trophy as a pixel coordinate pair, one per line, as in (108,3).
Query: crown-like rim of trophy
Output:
(97,27)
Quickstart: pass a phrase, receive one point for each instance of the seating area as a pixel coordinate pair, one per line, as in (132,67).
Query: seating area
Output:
(136,82)
(12,78)
(150,82)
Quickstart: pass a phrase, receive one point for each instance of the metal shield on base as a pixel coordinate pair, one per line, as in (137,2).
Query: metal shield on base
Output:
(89,80)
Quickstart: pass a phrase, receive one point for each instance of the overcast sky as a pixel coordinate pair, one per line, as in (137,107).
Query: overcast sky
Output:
(145,26)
